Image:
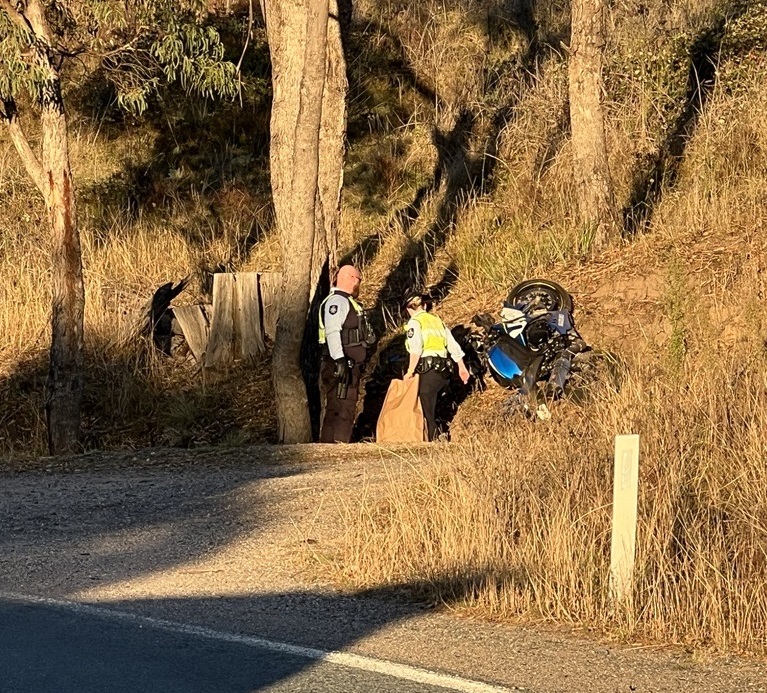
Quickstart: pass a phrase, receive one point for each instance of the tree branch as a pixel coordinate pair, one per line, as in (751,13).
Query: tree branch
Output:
(247,38)
(35,15)
(10,115)
(262,5)
(16,16)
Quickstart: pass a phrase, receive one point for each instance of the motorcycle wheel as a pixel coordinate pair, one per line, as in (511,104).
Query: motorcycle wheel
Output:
(540,294)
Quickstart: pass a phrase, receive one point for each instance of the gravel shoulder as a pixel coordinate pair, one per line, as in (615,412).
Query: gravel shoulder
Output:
(237,540)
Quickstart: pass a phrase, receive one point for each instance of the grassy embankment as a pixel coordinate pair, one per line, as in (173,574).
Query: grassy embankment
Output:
(513,519)
(458,121)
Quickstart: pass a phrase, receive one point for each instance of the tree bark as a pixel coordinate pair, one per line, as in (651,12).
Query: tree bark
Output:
(65,375)
(282,34)
(297,31)
(332,140)
(27,155)
(596,200)
(53,177)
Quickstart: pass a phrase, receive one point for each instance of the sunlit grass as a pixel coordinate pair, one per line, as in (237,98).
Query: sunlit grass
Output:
(512,519)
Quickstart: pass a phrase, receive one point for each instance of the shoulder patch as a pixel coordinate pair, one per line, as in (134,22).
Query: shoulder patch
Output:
(410,333)
(333,309)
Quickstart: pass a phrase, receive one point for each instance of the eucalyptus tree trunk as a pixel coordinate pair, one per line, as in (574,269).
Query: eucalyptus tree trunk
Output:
(65,376)
(37,40)
(52,175)
(332,137)
(596,200)
(308,126)
(298,36)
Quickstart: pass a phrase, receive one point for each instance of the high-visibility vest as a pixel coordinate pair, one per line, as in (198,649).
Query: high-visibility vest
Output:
(357,309)
(433,334)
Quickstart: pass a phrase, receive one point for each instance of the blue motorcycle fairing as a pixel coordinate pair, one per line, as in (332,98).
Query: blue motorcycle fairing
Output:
(503,367)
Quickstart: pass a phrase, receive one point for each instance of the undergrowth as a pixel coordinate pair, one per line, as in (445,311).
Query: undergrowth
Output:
(514,521)
(459,175)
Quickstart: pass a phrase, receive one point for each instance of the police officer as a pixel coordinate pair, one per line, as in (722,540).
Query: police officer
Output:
(345,336)
(429,343)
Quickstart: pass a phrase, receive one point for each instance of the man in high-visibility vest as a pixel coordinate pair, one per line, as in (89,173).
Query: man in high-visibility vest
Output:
(345,336)
(429,343)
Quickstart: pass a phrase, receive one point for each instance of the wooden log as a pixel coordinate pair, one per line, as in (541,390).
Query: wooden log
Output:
(248,330)
(233,326)
(136,323)
(270,284)
(195,327)
(221,340)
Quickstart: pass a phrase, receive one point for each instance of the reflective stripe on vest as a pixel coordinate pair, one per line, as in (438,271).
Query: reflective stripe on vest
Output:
(433,334)
(357,309)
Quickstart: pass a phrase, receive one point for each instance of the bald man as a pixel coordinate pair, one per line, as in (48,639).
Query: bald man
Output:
(345,336)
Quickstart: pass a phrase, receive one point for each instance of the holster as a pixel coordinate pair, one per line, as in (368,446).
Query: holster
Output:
(342,387)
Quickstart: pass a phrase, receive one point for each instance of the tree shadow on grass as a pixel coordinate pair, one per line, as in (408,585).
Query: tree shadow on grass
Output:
(659,173)
(458,169)
(464,176)
(461,177)
(138,397)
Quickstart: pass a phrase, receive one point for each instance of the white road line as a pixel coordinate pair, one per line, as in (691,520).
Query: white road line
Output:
(378,666)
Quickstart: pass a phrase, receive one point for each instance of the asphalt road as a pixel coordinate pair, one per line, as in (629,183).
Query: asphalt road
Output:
(48,649)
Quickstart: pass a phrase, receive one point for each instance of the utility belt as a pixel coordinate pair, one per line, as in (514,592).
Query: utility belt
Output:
(439,364)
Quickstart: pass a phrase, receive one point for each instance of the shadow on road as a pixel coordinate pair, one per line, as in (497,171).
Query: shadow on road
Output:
(196,645)
(95,534)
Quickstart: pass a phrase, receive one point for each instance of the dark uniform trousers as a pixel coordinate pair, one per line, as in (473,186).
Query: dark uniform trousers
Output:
(338,421)
(430,384)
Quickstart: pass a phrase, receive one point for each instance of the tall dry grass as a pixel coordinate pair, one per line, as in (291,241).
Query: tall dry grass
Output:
(134,395)
(515,520)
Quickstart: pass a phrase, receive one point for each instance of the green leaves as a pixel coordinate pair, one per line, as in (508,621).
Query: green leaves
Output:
(194,55)
(15,72)
(140,44)
(174,44)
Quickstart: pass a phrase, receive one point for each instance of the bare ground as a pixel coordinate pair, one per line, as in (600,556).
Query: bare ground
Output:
(245,540)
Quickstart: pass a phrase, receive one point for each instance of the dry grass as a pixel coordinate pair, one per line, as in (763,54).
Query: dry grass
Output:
(134,396)
(515,520)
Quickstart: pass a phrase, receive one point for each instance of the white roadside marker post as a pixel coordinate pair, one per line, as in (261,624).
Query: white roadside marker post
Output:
(625,493)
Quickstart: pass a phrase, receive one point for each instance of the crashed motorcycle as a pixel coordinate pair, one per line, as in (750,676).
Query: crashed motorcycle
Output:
(535,347)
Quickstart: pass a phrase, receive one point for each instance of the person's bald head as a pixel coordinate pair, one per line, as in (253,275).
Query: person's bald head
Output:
(348,280)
